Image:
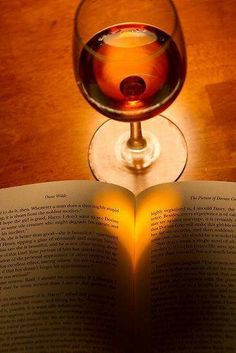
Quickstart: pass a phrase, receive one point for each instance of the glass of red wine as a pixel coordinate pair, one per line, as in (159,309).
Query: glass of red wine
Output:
(130,65)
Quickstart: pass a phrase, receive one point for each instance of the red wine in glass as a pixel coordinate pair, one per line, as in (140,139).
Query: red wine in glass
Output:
(131,71)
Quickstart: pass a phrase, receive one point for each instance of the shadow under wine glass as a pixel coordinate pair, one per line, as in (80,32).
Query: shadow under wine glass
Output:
(130,65)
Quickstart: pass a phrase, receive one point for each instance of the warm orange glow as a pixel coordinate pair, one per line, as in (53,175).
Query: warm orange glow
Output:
(127,54)
(135,236)
(114,200)
(133,104)
(152,204)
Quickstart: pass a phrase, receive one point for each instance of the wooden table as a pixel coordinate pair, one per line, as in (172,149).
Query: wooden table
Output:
(45,124)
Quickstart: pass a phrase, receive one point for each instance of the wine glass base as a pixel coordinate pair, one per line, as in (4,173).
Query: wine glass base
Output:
(168,162)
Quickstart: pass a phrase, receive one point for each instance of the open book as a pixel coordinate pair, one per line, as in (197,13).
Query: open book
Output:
(86,267)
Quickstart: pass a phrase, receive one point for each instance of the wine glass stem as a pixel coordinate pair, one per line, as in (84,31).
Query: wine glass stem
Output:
(136,140)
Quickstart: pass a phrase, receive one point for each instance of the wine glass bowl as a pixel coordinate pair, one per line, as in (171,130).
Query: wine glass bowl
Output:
(130,65)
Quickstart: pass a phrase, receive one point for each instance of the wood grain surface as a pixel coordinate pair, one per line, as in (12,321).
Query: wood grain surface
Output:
(46,125)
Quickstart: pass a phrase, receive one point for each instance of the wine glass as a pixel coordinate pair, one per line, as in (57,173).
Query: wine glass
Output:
(130,65)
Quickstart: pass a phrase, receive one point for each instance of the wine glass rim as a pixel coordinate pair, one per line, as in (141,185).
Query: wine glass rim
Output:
(103,57)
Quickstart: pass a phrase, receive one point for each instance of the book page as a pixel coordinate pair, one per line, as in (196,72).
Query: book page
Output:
(186,268)
(65,268)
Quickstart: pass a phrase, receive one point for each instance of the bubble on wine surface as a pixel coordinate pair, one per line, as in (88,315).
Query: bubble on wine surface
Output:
(132,87)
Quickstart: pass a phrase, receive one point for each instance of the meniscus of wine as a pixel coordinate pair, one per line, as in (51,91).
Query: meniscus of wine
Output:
(130,72)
